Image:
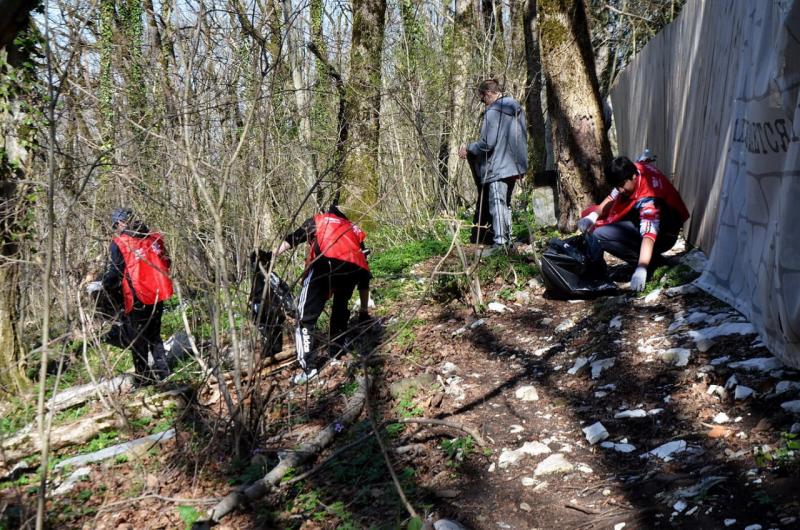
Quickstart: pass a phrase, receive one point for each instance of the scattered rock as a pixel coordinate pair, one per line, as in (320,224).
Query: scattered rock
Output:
(619,447)
(636,413)
(522,297)
(616,323)
(580,362)
(729,522)
(447,524)
(583,468)
(795,428)
(681,290)
(791,406)
(527,393)
(448,368)
(731,382)
(553,464)
(528,481)
(753,527)
(595,433)
(452,387)
(516,429)
(665,451)
(743,392)
(716,390)
(524,506)
(497,307)
(565,325)
(600,365)
(721,418)
(676,356)
(720,360)
(758,364)
(652,296)
(786,386)
(679,506)
(705,338)
(478,323)
(510,458)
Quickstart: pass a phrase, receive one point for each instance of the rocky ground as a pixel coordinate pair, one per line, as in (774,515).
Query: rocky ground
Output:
(657,411)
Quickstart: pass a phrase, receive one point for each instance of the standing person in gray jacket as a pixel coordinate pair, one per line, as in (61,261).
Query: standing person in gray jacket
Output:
(498,158)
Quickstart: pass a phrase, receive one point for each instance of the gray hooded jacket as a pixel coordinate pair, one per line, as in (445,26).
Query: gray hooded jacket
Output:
(502,150)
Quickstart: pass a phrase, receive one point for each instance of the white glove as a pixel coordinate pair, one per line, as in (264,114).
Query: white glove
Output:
(639,278)
(586,223)
(93,287)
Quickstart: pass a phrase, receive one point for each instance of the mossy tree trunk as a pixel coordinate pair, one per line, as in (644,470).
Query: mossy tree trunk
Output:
(16,81)
(580,142)
(358,191)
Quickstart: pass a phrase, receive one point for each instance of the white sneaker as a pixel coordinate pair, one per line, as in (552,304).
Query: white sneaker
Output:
(304,377)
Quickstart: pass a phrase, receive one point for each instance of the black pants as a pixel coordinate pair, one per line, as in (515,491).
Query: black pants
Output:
(624,241)
(142,333)
(324,279)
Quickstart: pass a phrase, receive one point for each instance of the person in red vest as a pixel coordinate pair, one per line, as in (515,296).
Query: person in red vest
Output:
(336,265)
(641,217)
(139,267)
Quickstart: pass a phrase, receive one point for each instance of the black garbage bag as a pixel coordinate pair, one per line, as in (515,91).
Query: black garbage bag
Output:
(270,301)
(575,268)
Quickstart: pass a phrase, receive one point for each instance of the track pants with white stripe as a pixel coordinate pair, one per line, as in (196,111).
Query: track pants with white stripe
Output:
(326,278)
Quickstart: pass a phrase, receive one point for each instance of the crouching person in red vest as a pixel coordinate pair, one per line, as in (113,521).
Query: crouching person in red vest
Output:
(335,266)
(139,266)
(641,217)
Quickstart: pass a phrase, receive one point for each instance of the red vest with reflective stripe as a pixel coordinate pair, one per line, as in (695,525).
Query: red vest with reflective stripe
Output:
(338,238)
(146,269)
(650,183)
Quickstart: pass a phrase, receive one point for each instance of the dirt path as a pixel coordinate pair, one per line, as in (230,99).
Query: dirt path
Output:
(732,468)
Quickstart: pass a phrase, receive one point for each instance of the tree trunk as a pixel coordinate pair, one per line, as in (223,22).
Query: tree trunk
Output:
(359,187)
(460,54)
(537,153)
(14,159)
(580,143)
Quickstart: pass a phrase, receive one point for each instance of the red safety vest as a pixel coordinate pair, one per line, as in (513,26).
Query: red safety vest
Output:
(650,183)
(146,269)
(338,238)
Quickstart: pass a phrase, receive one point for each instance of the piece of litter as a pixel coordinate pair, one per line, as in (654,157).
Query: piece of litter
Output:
(580,362)
(616,323)
(679,506)
(676,356)
(758,364)
(619,447)
(497,307)
(527,393)
(516,429)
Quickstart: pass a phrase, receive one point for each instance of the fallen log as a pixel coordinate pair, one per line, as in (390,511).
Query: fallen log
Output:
(290,459)
(26,442)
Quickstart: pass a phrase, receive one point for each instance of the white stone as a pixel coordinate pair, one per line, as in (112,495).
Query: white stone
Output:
(791,406)
(585,469)
(595,433)
(704,338)
(758,364)
(785,386)
(729,522)
(527,393)
(652,296)
(565,325)
(497,307)
(477,323)
(509,458)
(541,351)
(446,524)
(753,527)
(619,447)
(743,392)
(676,356)
(721,418)
(665,451)
(580,362)
(616,323)
(524,506)
(679,506)
(600,365)
(720,360)
(716,390)
(553,464)
(448,368)
(654,412)
(528,481)
(635,413)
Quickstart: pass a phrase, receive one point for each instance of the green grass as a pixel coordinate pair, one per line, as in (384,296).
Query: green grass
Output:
(399,259)
(667,276)
(189,515)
